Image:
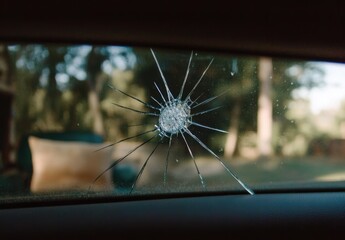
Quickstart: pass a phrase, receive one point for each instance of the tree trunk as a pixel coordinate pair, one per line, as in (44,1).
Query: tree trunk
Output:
(7,140)
(232,136)
(52,108)
(98,126)
(265,107)
(95,80)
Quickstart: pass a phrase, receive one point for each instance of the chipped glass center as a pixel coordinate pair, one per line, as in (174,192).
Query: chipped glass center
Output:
(174,118)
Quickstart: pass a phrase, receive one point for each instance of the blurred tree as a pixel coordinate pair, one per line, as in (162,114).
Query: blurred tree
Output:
(288,76)
(37,101)
(57,85)
(5,67)
(243,86)
(63,88)
(54,61)
(265,126)
(282,77)
(6,101)
(95,78)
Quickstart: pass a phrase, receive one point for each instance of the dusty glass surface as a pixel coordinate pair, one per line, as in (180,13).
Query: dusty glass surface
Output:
(114,121)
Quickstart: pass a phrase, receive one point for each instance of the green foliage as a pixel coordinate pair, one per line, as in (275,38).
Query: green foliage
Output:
(53,84)
(293,121)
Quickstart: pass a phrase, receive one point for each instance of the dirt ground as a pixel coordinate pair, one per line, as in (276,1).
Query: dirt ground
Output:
(275,172)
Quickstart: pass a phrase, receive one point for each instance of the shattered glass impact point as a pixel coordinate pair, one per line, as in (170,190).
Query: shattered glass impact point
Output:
(174,118)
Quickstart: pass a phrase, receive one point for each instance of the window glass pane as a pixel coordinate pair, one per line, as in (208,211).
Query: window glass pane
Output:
(82,120)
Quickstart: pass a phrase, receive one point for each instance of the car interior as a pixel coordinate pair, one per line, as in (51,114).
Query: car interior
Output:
(124,198)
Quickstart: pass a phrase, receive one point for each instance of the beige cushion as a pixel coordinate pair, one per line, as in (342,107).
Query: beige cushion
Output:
(61,166)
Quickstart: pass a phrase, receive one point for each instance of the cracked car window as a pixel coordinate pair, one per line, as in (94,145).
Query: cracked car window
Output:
(84,121)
